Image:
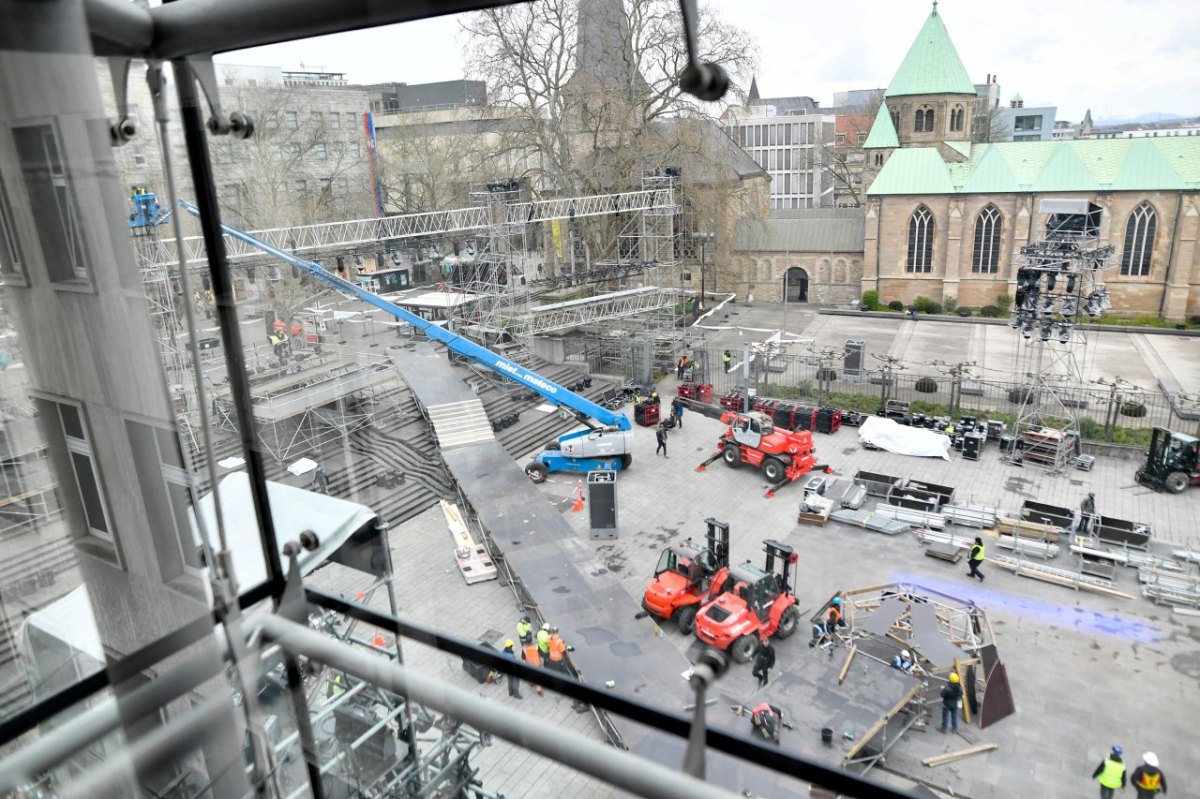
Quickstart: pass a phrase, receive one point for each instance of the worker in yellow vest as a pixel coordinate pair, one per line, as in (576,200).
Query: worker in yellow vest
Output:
(975,559)
(543,641)
(1110,774)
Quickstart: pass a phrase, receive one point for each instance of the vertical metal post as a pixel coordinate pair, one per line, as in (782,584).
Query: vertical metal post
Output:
(191,116)
(381,526)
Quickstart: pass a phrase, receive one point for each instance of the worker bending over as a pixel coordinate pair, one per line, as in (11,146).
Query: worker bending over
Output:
(904,661)
(829,623)
(767,720)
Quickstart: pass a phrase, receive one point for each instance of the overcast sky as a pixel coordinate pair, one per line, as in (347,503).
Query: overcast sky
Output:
(1121,58)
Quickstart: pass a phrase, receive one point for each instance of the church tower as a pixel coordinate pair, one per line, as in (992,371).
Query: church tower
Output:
(930,100)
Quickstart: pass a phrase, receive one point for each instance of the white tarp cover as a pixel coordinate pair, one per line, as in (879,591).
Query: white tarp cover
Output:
(904,440)
(294,511)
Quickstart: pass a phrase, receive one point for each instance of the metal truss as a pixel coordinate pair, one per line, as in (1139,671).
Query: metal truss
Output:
(615,305)
(334,235)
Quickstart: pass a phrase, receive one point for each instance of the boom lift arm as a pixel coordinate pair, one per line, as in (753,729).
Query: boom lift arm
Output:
(579,451)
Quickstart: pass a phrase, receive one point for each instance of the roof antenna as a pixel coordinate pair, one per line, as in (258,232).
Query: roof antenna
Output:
(702,79)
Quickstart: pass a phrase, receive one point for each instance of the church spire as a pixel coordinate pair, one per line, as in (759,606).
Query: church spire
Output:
(932,65)
(604,56)
(753,96)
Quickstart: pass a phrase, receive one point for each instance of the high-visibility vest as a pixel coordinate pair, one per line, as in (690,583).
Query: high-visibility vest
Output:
(543,641)
(558,648)
(1113,771)
(1148,781)
(833,615)
(977,552)
(532,656)
(524,628)
(726,357)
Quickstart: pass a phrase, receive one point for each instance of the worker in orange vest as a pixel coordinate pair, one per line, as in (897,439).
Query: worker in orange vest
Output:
(558,651)
(530,654)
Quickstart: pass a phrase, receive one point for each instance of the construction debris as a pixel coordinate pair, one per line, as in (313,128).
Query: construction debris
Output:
(950,757)
(474,562)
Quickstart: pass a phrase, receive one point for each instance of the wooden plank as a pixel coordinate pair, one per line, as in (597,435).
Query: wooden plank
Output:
(846,665)
(473,561)
(861,743)
(950,757)
(966,706)
(1027,529)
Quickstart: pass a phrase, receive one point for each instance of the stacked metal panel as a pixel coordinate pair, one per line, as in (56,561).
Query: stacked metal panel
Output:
(912,517)
(870,521)
(1169,589)
(970,516)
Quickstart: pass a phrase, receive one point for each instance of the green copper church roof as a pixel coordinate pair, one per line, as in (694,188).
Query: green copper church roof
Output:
(932,65)
(1084,165)
(883,132)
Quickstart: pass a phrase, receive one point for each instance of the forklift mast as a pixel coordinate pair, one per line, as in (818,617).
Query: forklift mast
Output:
(718,541)
(787,557)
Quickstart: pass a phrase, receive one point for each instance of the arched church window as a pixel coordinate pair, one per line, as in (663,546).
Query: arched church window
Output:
(988,227)
(920,241)
(1139,240)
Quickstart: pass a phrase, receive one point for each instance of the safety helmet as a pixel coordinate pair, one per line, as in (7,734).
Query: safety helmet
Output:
(554,630)
(837,600)
(906,655)
(1116,750)
(1150,759)
(525,619)
(546,626)
(954,678)
(508,644)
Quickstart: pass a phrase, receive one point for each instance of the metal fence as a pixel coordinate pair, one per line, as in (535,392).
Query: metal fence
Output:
(1113,414)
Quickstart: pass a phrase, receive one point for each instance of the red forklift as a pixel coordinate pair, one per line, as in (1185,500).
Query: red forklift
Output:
(750,603)
(1172,462)
(752,438)
(683,577)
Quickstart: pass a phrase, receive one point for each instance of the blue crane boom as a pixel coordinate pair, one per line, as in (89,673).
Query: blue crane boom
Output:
(579,451)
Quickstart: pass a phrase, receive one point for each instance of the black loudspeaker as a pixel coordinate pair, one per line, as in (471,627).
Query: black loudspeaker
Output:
(853,362)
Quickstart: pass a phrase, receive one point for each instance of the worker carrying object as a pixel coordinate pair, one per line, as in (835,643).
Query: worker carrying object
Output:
(530,654)
(543,640)
(1148,779)
(829,623)
(525,630)
(767,720)
(975,559)
(558,651)
(1110,773)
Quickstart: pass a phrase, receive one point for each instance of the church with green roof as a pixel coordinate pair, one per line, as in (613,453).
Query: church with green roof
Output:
(946,217)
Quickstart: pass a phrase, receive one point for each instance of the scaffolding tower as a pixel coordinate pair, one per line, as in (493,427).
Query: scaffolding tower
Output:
(1059,287)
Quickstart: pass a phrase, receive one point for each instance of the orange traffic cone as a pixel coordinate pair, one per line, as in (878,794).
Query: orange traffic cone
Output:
(578,506)
(379,642)
(360,596)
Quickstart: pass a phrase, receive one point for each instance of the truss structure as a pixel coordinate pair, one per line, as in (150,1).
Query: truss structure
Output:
(602,307)
(433,224)
(1059,287)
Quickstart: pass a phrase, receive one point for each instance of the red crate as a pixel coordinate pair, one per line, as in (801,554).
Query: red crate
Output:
(704,394)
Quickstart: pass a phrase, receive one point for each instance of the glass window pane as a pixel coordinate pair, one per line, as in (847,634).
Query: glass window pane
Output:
(89,492)
(71,421)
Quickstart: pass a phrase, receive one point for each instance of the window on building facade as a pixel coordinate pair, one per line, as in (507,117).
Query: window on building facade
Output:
(988,228)
(291,120)
(334,120)
(66,422)
(167,494)
(354,150)
(300,186)
(1139,240)
(957,119)
(319,151)
(923,121)
(787,134)
(12,267)
(878,159)
(317,117)
(352,120)
(771,135)
(1033,122)
(920,241)
(896,120)
(49,189)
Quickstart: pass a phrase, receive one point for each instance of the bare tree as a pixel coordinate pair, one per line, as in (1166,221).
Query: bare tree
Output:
(842,159)
(526,54)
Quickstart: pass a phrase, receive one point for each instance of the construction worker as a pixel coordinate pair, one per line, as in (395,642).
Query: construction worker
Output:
(1087,514)
(1148,778)
(767,720)
(530,654)
(904,662)
(321,479)
(680,366)
(951,696)
(727,360)
(1110,773)
(543,641)
(660,434)
(831,621)
(677,409)
(558,651)
(764,661)
(335,683)
(514,682)
(975,559)
(525,630)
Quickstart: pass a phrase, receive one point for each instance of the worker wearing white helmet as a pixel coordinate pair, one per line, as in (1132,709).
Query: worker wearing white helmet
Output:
(1148,779)
(904,662)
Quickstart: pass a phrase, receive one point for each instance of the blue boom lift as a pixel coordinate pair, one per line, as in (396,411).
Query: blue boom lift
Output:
(605,444)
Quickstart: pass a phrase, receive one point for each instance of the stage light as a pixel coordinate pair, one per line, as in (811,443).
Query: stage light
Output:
(1027,330)
(1064,333)
(1047,327)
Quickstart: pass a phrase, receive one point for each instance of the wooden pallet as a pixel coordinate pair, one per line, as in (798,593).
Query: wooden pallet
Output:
(474,562)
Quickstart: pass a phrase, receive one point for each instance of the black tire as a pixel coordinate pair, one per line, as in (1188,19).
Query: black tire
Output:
(626,461)
(731,454)
(774,470)
(686,619)
(536,471)
(744,649)
(788,622)
(1176,482)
